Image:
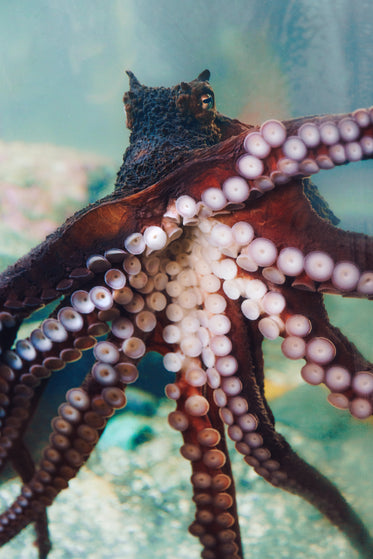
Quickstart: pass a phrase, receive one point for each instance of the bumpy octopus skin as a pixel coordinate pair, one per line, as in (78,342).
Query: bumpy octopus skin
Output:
(209,244)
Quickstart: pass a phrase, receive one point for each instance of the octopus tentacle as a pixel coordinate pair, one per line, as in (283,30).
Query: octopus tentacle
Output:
(231,382)
(204,446)
(272,457)
(61,254)
(24,465)
(75,432)
(300,476)
(61,340)
(328,260)
(83,416)
(330,357)
(255,438)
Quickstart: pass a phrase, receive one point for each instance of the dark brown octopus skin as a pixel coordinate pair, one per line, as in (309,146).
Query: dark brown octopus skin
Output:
(181,147)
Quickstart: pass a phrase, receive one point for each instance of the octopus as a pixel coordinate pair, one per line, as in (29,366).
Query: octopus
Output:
(213,240)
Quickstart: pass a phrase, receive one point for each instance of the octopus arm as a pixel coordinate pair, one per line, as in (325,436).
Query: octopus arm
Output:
(60,254)
(306,481)
(271,455)
(241,405)
(65,260)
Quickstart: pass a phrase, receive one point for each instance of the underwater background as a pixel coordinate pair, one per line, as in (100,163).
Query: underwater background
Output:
(62,137)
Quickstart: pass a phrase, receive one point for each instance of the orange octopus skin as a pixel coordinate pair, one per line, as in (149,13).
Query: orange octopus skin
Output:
(213,240)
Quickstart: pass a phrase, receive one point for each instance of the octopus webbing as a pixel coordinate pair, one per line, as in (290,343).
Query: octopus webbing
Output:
(213,240)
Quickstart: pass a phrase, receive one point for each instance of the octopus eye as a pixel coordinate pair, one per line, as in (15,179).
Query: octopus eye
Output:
(207,101)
